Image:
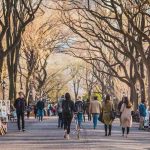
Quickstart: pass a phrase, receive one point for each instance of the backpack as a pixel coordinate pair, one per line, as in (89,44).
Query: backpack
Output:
(67,108)
(79,106)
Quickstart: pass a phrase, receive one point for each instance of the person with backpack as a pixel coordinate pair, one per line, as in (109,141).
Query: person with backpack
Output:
(40,108)
(126,116)
(35,111)
(20,104)
(79,110)
(142,113)
(84,110)
(49,109)
(67,111)
(87,105)
(95,110)
(28,109)
(59,110)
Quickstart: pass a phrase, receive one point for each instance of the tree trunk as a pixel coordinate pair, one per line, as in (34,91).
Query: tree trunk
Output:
(11,85)
(134,97)
(89,95)
(142,89)
(12,63)
(148,88)
(1,66)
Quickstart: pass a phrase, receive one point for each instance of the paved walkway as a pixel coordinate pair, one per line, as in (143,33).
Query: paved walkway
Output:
(45,136)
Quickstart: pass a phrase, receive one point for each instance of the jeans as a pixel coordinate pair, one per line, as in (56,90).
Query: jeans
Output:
(20,116)
(95,119)
(60,120)
(40,114)
(80,118)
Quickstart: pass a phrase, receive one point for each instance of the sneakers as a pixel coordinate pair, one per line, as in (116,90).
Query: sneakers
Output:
(67,137)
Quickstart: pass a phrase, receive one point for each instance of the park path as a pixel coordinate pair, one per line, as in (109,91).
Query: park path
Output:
(46,136)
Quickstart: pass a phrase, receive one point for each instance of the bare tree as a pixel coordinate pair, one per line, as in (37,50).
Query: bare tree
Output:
(112,27)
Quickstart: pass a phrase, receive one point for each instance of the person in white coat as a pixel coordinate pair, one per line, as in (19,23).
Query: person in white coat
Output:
(126,116)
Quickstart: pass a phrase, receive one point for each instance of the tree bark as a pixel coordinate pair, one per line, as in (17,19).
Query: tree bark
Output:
(133,97)
(148,88)
(1,67)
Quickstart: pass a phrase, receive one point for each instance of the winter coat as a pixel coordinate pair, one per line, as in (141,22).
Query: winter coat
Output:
(126,116)
(20,104)
(40,105)
(142,110)
(68,108)
(95,107)
(79,107)
(107,107)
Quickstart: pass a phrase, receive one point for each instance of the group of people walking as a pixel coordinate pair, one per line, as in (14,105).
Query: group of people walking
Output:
(104,112)
(21,106)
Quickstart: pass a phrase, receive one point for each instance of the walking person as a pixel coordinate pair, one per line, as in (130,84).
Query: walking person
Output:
(40,109)
(146,119)
(107,109)
(67,111)
(59,110)
(95,110)
(49,109)
(84,110)
(20,104)
(142,113)
(29,109)
(120,104)
(126,116)
(79,110)
(87,109)
(119,108)
(35,111)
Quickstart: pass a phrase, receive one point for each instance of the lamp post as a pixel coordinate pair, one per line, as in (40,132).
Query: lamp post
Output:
(3,83)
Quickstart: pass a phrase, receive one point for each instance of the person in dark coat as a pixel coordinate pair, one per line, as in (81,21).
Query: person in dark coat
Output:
(87,110)
(20,104)
(40,109)
(67,112)
(35,111)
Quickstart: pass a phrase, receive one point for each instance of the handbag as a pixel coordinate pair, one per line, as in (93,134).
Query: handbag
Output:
(112,114)
(100,118)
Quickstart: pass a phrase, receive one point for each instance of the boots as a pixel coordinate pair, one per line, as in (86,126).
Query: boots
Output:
(109,134)
(105,130)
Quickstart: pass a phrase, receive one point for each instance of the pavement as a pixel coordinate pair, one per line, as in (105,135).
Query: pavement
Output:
(46,136)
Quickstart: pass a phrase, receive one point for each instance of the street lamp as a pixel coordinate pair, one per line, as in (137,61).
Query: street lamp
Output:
(3,83)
